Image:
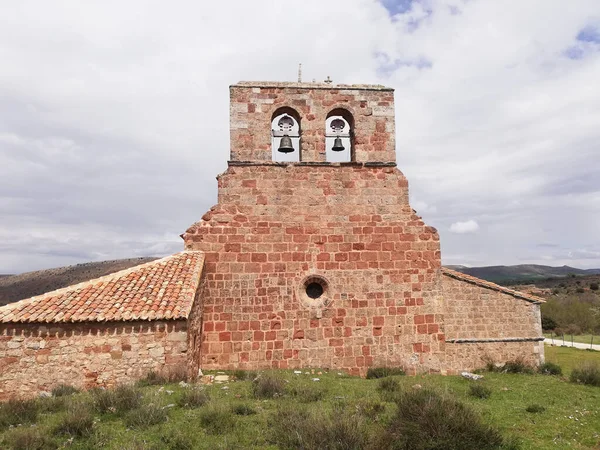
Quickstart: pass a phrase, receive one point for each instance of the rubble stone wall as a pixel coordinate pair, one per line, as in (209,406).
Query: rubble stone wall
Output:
(37,357)
(469,356)
(486,324)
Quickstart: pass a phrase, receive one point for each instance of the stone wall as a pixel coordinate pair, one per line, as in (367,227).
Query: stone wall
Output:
(253,106)
(37,357)
(470,356)
(349,226)
(483,323)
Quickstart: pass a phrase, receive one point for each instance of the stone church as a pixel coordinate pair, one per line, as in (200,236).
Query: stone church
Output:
(312,257)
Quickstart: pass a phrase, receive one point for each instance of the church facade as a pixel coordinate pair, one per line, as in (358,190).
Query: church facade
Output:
(312,257)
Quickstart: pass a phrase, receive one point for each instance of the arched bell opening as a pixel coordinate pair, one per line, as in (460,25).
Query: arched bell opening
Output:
(285,135)
(339,136)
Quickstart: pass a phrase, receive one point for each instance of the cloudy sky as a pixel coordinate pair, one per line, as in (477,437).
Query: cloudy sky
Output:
(114,117)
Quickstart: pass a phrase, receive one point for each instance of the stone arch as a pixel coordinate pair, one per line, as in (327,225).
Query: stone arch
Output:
(339,123)
(286,121)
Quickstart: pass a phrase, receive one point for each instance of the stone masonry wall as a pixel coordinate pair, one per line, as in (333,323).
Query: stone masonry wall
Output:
(253,105)
(482,323)
(275,225)
(37,357)
(471,356)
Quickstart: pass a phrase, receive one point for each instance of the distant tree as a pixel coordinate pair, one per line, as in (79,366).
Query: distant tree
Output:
(548,323)
(577,309)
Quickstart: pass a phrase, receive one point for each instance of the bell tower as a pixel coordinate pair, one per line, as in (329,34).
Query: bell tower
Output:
(314,257)
(315,122)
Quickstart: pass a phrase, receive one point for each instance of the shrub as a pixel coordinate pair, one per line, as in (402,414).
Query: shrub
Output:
(177,373)
(427,420)
(119,400)
(145,416)
(62,390)
(51,404)
(370,408)
(217,419)
(388,385)
(15,412)
(478,390)
(175,439)
(127,397)
(535,408)
(549,368)
(580,290)
(382,372)
(152,378)
(594,286)
(298,429)
(307,394)
(517,366)
(29,438)
(586,374)
(77,422)
(244,375)
(243,409)
(490,364)
(170,374)
(193,398)
(268,386)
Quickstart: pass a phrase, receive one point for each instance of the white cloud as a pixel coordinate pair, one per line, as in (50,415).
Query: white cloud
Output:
(470,226)
(422,207)
(114,116)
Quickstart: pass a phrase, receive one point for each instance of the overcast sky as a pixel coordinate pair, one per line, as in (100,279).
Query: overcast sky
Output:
(114,117)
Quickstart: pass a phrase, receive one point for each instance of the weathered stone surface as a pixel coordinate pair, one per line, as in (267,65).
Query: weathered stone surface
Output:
(276,225)
(85,355)
(253,106)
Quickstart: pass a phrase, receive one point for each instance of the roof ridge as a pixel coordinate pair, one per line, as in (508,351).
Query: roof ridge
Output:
(488,284)
(83,284)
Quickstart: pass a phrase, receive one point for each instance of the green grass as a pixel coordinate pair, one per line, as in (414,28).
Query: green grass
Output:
(569,358)
(582,339)
(234,418)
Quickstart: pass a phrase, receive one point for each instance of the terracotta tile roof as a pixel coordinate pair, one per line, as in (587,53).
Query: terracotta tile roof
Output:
(161,289)
(488,284)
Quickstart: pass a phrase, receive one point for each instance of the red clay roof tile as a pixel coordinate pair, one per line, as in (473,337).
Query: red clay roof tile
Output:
(490,285)
(161,289)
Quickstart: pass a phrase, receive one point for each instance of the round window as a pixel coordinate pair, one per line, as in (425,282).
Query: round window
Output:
(314,292)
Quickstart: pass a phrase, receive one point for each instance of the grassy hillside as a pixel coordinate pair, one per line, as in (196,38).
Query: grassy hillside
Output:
(318,409)
(17,287)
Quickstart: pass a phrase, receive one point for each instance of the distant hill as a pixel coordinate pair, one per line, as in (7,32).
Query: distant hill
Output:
(522,272)
(25,285)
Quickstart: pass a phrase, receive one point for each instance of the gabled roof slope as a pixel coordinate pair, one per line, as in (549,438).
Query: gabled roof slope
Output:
(489,285)
(161,289)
